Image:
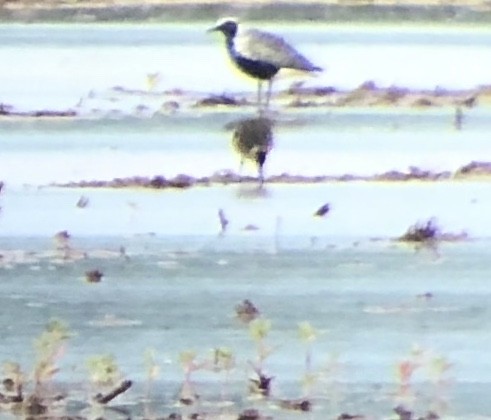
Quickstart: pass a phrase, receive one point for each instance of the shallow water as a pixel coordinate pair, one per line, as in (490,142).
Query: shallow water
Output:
(54,66)
(176,284)
(173,293)
(335,143)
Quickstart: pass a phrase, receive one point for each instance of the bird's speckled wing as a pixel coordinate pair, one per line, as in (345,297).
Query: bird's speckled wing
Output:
(263,46)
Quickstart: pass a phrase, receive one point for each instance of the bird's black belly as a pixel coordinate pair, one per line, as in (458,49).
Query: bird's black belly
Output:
(257,69)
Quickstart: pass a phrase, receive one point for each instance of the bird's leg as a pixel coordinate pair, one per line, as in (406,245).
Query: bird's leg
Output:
(261,176)
(259,86)
(260,159)
(268,94)
(240,169)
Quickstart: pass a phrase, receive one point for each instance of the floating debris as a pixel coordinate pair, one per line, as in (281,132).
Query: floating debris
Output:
(105,398)
(346,416)
(223,221)
(296,405)
(425,296)
(250,228)
(94,276)
(246,311)
(429,232)
(323,210)
(215,100)
(82,202)
(252,414)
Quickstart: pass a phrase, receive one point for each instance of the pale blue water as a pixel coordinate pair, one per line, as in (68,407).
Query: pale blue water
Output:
(176,293)
(57,65)
(179,284)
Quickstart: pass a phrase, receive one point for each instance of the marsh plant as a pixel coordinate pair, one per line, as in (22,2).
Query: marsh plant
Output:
(308,335)
(152,370)
(438,368)
(223,362)
(190,364)
(422,377)
(259,329)
(50,346)
(426,232)
(106,378)
(434,369)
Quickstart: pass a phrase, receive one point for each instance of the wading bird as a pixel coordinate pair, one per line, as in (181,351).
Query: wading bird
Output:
(253,139)
(260,54)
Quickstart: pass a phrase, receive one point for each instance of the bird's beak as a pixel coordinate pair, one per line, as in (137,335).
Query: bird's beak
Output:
(212,29)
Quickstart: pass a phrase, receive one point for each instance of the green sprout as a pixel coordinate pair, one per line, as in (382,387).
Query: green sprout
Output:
(103,370)
(49,347)
(151,365)
(223,359)
(259,329)
(187,358)
(308,334)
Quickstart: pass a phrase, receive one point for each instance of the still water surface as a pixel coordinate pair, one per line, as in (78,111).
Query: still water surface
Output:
(57,65)
(179,284)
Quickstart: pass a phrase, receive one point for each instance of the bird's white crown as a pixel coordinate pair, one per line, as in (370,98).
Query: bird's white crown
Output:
(223,20)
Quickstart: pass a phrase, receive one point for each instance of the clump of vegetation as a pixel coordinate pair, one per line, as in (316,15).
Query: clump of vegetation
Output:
(108,381)
(429,233)
(422,232)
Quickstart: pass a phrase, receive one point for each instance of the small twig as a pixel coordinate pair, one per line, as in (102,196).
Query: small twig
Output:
(104,399)
(7,399)
(11,386)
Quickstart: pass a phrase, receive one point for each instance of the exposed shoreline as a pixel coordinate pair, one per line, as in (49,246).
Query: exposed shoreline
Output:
(473,171)
(367,95)
(431,11)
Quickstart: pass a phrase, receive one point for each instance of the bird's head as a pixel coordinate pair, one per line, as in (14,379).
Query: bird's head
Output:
(227,26)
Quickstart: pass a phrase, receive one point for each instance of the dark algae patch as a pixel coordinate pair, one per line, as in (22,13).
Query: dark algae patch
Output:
(183,181)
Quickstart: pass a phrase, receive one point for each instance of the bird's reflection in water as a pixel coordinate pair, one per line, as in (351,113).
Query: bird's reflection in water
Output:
(252,140)
(246,190)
